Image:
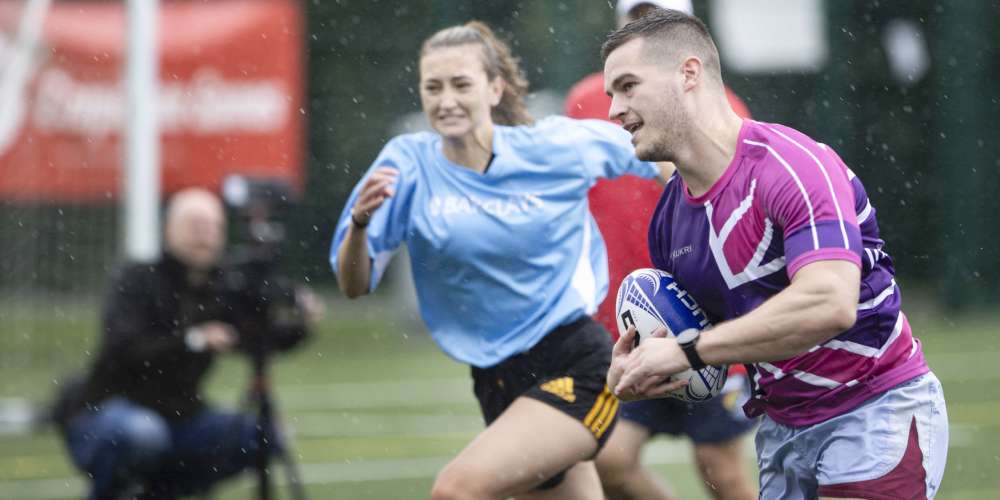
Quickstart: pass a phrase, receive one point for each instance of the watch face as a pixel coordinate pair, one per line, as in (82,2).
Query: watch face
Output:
(688,336)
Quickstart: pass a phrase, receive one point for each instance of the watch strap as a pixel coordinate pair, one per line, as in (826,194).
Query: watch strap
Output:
(691,353)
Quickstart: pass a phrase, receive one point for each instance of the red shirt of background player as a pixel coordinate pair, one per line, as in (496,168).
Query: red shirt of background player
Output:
(626,198)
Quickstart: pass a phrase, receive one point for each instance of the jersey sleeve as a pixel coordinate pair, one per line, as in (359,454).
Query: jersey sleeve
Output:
(606,151)
(809,197)
(387,229)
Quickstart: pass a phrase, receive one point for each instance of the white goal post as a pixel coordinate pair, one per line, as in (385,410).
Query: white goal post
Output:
(141,165)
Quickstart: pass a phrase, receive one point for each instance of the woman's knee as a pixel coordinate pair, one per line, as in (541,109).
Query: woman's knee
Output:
(455,482)
(447,487)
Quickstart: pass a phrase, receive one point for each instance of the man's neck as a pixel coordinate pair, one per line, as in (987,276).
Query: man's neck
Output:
(711,150)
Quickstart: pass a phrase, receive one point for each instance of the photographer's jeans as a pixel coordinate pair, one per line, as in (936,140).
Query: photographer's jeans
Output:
(124,444)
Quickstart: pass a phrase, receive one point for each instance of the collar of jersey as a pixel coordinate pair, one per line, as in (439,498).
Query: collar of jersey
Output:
(721,183)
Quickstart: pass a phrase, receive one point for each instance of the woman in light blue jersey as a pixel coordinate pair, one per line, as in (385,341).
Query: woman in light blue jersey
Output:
(507,261)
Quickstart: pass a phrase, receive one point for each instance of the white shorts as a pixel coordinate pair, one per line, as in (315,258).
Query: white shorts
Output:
(893,446)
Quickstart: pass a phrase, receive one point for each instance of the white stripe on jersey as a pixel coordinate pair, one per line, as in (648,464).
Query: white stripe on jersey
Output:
(755,268)
(812,379)
(829,183)
(759,254)
(866,212)
(583,280)
(878,299)
(737,214)
(871,258)
(861,349)
(896,330)
(798,182)
(852,347)
(809,378)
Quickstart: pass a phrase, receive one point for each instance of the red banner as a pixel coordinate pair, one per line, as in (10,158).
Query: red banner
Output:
(230,97)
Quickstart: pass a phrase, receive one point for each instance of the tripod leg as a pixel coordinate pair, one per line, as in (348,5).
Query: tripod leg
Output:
(265,428)
(292,474)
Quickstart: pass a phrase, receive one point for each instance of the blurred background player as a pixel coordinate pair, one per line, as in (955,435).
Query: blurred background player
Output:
(782,250)
(507,262)
(622,208)
(139,418)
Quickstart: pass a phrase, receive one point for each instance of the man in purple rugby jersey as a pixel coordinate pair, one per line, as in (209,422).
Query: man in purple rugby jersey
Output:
(777,240)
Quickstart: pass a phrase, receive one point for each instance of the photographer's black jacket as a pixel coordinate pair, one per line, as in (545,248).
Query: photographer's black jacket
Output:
(143,355)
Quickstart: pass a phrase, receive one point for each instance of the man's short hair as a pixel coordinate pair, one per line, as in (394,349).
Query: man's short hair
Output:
(638,8)
(671,31)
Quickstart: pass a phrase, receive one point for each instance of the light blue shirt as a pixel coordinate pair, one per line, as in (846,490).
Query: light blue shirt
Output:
(499,259)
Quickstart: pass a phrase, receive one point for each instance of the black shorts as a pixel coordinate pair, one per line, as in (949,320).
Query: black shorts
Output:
(717,420)
(567,370)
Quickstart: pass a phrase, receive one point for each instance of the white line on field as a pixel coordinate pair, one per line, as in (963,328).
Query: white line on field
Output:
(355,424)
(361,395)
(384,469)
(659,452)
(37,489)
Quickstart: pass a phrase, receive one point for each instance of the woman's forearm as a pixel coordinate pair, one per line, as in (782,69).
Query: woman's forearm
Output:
(354,264)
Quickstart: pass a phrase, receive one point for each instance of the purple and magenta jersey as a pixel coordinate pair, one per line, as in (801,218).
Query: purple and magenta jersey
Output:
(786,201)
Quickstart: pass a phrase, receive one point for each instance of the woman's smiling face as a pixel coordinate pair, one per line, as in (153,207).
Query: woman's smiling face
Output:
(455,92)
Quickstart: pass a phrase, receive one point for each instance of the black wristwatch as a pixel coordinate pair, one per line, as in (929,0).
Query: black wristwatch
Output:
(688,339)
(356,222)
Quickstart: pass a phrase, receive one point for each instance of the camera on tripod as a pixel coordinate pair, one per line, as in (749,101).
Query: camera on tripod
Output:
(263,297)
(265,302)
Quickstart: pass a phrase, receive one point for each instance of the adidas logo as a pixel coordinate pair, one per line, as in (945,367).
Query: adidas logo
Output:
(562,387)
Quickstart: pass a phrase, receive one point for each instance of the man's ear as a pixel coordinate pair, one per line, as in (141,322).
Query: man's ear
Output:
(692,70)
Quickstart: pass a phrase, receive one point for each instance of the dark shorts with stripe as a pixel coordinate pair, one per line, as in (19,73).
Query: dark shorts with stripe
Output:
(566,370)
(714,421)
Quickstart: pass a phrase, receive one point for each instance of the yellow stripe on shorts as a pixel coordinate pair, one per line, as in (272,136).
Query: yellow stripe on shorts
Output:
(601,415)
(604,423)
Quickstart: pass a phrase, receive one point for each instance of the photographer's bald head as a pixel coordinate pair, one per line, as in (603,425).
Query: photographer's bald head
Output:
(195,228)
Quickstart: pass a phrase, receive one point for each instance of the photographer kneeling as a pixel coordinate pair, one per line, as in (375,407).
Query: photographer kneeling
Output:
(138,417)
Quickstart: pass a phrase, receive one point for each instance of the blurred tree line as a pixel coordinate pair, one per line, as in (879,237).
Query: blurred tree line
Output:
(926,149)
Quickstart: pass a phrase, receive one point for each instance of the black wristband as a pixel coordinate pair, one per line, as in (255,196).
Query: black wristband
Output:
(354,220)
(692,355)
(688,339)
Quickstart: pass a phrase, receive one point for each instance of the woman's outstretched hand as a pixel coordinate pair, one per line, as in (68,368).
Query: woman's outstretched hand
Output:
(376,189)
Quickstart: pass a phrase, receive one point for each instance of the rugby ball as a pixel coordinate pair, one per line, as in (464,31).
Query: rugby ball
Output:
(650,299)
